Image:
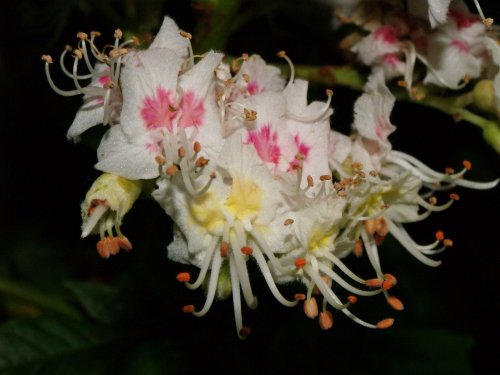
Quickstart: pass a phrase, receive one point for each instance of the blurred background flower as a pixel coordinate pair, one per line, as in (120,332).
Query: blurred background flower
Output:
(64,310)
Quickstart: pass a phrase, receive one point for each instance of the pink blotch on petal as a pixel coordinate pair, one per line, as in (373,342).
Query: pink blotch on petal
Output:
(104,80)
(462,20)
(302,149)
(192,110)
(391,59)
(265,143)
(153,148)
(460,45)
(157,111)
(253,87)
(387,33)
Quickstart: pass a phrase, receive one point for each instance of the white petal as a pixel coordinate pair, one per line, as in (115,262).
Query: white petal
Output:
(168,37)
(124,158)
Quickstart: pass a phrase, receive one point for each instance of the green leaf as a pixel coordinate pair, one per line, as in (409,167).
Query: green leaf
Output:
(35,345)
(101,302)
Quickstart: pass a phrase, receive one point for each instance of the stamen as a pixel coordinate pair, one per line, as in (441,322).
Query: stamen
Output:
(311,308)
(212,286)
(224,249)
(246,250)
(352,299)
(454,197)
(386,323)
(183,277)
(467,165)
(300,262)
(188,309)
(325,320)
(395,303)
(171,170)
(118,34)
(283,55)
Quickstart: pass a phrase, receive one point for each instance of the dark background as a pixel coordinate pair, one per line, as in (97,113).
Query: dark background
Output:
(130,304)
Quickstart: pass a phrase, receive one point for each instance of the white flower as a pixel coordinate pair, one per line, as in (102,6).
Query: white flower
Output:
(239,216)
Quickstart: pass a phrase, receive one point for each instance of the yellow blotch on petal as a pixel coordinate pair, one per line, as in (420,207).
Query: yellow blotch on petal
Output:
(244,200)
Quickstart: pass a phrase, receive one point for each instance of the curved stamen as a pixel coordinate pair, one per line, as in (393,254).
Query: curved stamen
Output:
(330,273)
(241,268)
(336,261)
(395,230)
(372,252)
(204,266)
(48,60)
(212,285)
(283,55)
(235,286)
(63,67)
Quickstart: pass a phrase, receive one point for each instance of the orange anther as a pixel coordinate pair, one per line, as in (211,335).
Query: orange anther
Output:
(373,283)
(300,262)
(181,152)
(102,249)
(386,285)
(247,250)
(395,303)
(402,84)
(245,331)
(171,170)
(160,159)
(224,249)
(386,323)
(201,161)
(447,242)
(281,54)
(311,308)
(188,309)
(288,222)
(439,235)
(183,277)
(325,177)
(123,243)
(299,297)
(358,248)
(449,170)
(185,34)
(325,320)
(370,226)
(352,299)
(310,181)
(197,147)
(454,196)
(467,165)
(391,278)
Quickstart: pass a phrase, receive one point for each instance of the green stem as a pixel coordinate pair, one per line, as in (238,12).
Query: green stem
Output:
(38,298)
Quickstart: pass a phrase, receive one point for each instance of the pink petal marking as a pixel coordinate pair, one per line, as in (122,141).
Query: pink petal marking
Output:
(253,87)
(391,59)
(460,45)
(387,33)
(192,110)
(104,80)
(302,149)
(153,148)
(462,20)
(265,143)
(157,111)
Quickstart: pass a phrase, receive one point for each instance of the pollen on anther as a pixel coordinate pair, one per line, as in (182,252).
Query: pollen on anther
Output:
(299,297)
(358,248)
(395,303)
(447,242)
(201,161)
(329,92)
(246,77)
(288,222)
(391,278)
(196,147)
(386,323)
(439,235)
(325,177)
(281,54)
(181,152)
(95,33)
(488,22)
(188,309)
(467,165)
(300,156)
(352,299)
(373,283)
(160,159)
(245,331)
(247,250)
(77,53)
(186,35)
(183,277)
(454,196)
(118,34)
(224,249)
(47,59)
(433,200)
(311,308)
(170,171)
(310,181)
(81,35)
(325,320)
(300,262)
